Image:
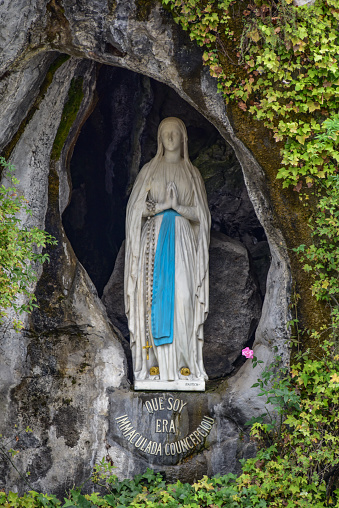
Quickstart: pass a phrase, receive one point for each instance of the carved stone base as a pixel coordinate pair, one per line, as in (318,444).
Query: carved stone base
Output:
(180,385)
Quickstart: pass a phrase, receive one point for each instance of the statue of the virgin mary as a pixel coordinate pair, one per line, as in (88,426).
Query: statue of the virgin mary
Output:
(166,267)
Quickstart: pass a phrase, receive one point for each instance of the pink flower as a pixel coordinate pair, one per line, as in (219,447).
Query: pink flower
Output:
(247,352)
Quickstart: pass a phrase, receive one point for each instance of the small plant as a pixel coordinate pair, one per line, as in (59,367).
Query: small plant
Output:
(298,457)
(20,250)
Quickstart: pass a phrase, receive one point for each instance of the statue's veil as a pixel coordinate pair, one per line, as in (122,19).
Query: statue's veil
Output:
(135,221)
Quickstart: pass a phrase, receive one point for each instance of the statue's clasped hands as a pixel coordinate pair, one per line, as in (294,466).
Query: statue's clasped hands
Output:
(171,201)
(171,196)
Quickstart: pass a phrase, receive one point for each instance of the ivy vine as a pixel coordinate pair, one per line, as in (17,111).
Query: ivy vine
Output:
(280,64)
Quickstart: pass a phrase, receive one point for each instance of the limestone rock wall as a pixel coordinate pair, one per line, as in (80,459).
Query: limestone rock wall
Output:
(54,375)
(65,373)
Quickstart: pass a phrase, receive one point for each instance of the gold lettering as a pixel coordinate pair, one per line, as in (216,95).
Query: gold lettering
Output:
(202,432)
(187,438)
(170,405)
(176,405)
(178,448)
(183,404)
(130,435)
(119,417)
(149,406)
(126,428)
(139,441)
(192,438)
(196,435)
(164,426)
(136,434)
(172,427)
(142,447)
(121,423)
(148,448)
(184,445)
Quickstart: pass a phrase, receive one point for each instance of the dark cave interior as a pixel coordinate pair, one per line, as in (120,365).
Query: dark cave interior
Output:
(117,139)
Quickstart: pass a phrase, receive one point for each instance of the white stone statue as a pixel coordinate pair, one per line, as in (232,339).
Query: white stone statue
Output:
(166,267)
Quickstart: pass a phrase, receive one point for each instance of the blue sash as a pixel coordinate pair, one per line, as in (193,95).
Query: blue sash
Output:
(162,314)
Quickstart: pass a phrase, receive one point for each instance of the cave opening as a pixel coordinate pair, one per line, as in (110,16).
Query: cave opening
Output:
(117,139)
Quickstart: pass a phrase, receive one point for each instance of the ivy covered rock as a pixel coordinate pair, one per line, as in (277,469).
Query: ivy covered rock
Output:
(277,68)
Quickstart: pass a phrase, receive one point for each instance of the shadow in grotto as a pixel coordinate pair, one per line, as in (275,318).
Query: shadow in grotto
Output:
(118,138)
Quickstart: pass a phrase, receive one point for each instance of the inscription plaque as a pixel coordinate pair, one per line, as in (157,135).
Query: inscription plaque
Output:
(164,437)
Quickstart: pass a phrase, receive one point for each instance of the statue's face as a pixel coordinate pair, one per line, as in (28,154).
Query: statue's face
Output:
(171,137)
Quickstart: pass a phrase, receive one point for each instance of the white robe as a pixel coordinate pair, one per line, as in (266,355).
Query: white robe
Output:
(191,270)
(171,358)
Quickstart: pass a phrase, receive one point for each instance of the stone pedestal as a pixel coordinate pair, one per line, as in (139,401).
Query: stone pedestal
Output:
(179,385)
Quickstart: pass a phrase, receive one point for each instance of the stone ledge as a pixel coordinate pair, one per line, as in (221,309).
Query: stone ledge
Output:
(180,385)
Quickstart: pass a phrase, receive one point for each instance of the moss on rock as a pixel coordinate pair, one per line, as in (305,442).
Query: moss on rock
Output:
(69,114)
(144,8)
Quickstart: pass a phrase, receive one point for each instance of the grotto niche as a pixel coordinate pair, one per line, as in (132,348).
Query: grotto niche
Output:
(90,79)
(117,139)
(66,374)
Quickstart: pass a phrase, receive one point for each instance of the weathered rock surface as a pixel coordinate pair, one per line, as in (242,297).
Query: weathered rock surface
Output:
(54,375)
(18,92)
(235,305)
(66,370)
(113,295)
